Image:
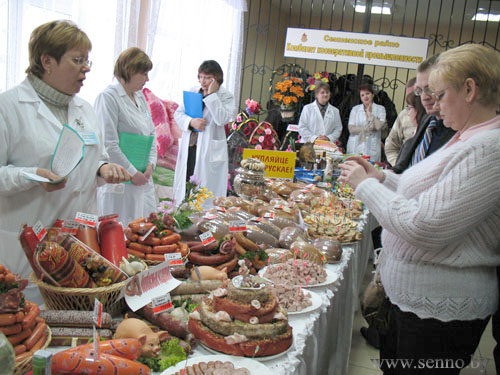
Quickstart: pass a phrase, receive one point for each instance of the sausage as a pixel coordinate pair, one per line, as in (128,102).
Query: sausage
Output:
(261,237)
(210,260)
(163,249)
(173,238)
(7,319)
(175,327)
(179,272)
(11,330)
(239,249)
(16,339)
(140,247)
(155,257)
(29,240)
(138,220)
(31,315)
(36,335)
(38,345)
(165,232)
(229,265)
(131,235)
(125,348)
(112,239)
(149,240)
(72,318)
(138,254)
(140,228)
(88,235)
(199,247)
(245,242)
(21,357)
(184,249)
(19,349)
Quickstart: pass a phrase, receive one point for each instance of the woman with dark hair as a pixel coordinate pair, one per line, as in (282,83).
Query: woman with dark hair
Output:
(203,147)
(415,108)
(366,122)
(124,112)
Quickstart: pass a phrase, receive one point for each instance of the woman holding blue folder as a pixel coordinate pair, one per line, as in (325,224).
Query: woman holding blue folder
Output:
(203,147)
(129,136)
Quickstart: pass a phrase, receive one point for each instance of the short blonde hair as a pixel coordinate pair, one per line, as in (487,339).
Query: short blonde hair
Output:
(475,61)
(320,85)
(54,39)
(131,61)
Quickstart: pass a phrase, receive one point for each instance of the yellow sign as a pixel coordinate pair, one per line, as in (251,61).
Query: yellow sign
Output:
(280,164)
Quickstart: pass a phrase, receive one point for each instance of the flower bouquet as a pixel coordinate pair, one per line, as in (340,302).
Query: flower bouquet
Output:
(288,92)
(172,216)
(311,81)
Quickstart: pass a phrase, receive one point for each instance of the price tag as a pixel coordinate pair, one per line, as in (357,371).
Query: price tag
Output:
(269,215)
(108,217)
(210,217)
(235,208)
(173,259)
(70,226)
(153,228)
(278,206)
(87,219)
(39,230)
(221,209)
(97,348)
(237,226)
(207,238)
(256,218)
(310,186)
(162,304)
(97,317)
(292,128)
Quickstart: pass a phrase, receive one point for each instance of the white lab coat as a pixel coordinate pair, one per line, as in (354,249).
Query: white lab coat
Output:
(371,145)
(28,136)
(211,166)
(117,113)
(312,124)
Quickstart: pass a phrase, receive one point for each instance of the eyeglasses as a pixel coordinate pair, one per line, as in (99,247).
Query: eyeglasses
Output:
(418,91)
(82,61)
(438,96)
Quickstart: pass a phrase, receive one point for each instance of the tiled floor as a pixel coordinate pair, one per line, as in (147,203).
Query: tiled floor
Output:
(361,352)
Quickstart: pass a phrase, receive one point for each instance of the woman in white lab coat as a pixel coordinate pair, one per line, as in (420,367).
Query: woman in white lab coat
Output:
(203,153)
(32,115)
(366,122)
(122,108)
(320,120)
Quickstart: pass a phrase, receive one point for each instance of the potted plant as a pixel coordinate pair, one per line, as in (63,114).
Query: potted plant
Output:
(287,94)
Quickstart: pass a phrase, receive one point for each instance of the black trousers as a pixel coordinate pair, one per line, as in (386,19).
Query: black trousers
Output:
(429,346)
(191,162)
(495,327)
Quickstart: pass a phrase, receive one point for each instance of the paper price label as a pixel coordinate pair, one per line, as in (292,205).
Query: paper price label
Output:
(39,230)
(207,238)
(70,226)
(278,206)
(269,215)
(310,186)
(235,209)
(108,217)
(162,304)
(256,218)
(210,217)
(221,209)
(87,219)
(237,226)
(174,259)
(292,128)
(95,343)
(97,316)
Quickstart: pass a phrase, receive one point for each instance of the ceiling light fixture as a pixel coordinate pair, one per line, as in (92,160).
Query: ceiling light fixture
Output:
(375,9)
(486,17)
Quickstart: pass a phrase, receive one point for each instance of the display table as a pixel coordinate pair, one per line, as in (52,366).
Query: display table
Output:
(322,339)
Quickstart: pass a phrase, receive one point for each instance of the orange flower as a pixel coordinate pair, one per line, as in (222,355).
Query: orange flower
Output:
(288,99)
(278,96)
(289,90)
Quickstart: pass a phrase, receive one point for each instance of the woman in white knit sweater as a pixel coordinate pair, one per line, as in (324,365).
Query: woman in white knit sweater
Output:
(441,221)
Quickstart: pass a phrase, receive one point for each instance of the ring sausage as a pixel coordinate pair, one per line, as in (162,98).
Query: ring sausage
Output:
(184,249)
(140,247)
(245,242)
(131,235)
(173,238)
(163,249)
(136,253)
(230,265)
(210,260)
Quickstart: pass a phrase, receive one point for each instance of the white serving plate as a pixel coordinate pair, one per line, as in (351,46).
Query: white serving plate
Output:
(316,304)
(255,367)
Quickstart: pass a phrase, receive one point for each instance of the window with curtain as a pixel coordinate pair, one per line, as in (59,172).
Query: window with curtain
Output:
(177,35)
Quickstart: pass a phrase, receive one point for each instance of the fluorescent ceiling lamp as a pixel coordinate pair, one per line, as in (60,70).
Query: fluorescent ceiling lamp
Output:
(375,9)
(486,17)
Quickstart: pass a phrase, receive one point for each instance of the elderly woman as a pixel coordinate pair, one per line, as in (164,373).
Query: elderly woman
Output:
(441,220)
(203,147)
(129,136)
(366,122)
(31,119)
(320,120)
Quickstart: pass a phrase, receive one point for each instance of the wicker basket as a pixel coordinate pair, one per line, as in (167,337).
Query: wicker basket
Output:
(26,364)
(59,298)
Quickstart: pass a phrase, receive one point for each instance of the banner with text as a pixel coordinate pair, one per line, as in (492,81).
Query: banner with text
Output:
(360,48)
(280,164)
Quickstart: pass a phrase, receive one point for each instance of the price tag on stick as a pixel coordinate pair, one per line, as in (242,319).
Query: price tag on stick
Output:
(237,226)
(39,230)
(87,219)
(162,304)
(174,259)
(207,238)
(97,317)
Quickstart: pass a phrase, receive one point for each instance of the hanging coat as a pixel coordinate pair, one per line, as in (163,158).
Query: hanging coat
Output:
(211,165)
(28,136)
(118,114)
(312,124)
(371,145)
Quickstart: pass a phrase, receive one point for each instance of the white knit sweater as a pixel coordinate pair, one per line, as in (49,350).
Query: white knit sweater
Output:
(441,239)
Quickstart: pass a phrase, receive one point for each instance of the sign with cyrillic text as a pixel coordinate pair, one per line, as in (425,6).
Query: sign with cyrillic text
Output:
(360,48)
